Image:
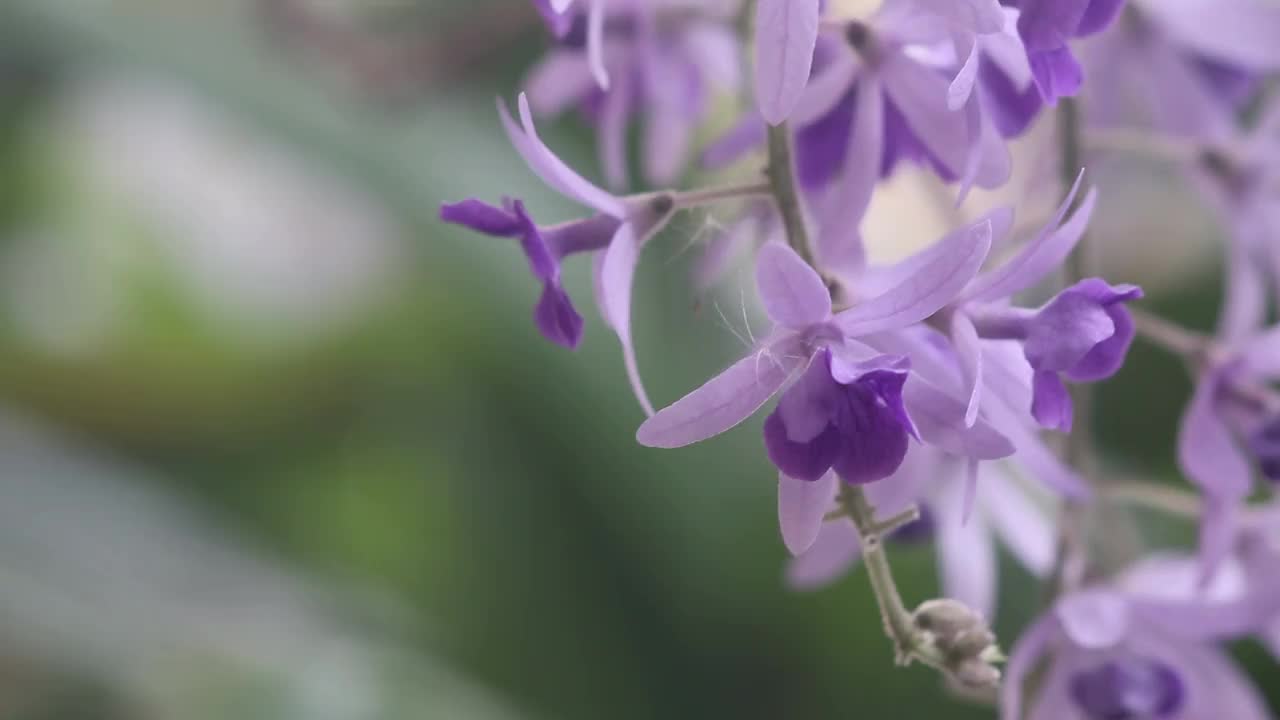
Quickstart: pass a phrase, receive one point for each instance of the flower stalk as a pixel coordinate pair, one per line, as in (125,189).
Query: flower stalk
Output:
(910,643)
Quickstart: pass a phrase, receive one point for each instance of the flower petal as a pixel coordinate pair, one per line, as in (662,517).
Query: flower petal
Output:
(669,125)
(939,418)
(715,51)
(966,553)
(724,401)
(801,507)
(1057,73)
(950,267)
(1039,257)
(834,552)
(734,144)
(961,86)
(786,35)
(595,43)
(920,93)
(617,274)
(552,169)
(1050,402)
(556,317)
(1207,452)
(1023,660)
(1238,32)
(611,134)
(1093,619)
(1260,355)
(806,460)
(1244,307)
(481,217)
(793,293)
(968,347)
(559,80)
(1022,526)
(839,242)
(826,89)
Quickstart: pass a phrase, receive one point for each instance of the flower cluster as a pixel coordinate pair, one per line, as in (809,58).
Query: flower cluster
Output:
(918,399)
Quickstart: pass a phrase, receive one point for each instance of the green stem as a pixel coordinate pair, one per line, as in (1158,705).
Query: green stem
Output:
(1078,451)
(782,178)
(897,620)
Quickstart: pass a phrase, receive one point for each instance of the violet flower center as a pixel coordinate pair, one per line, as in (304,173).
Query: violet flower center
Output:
(1132,688)
(1265,444)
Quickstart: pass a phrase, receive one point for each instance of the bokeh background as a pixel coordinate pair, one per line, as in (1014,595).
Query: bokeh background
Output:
(276,443)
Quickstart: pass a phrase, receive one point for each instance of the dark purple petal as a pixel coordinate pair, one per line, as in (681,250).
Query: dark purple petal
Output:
(902,143)
(1105,359)
(800,460)
(821,146)
(1098,16)
(1011,110)
(1264,443)
(1084,331)
(543,264)
(556,317)
(1234,85)
(481,217)
(873,428)
(1049,24)
(859,428)
(579,236)
(1050,401)
(1057,73)
(1128,688)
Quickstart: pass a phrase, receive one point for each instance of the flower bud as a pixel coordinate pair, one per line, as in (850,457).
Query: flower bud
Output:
(965,645)
(977,674)
(946,620)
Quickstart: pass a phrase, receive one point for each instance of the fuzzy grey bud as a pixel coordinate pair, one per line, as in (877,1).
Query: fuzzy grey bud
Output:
(947,619)
(976,673)
(962,640)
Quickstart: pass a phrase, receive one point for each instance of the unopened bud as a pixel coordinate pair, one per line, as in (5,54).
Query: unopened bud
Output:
(977,674)
(947,620)
(972,642)
(960,636)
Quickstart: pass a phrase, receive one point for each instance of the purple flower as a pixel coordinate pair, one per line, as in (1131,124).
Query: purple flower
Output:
(934,481)
(1141,648)
(850,407)
(561,22)
(1237,172)
(554,314)
(842,416)
(998,68)
(871,102)
(663,74)
(1214,433)
(1047,26)
(629,222)
(1083,333)
(1185,66)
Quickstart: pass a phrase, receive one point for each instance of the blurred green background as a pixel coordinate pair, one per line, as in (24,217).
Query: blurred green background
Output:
(275,443)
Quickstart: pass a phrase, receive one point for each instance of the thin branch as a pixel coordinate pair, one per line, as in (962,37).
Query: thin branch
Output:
(782,178)
(909,644)
(707,196)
